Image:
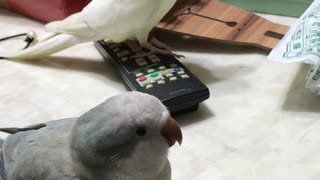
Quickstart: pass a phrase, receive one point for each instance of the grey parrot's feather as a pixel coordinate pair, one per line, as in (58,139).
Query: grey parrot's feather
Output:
(14,130)
(101,144)
(27,146)
(2,170)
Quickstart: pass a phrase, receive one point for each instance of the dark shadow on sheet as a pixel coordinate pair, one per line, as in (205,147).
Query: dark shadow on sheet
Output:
(99,67)
(299,98)
(203,113)
(105,68)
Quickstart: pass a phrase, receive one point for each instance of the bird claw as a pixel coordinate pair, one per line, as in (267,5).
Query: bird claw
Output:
(156,47)
(161,51)
(179,56)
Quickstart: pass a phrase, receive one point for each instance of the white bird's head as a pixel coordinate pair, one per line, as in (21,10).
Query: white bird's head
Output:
(128,127)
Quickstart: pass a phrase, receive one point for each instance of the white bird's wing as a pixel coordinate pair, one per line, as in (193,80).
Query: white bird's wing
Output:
(114,19)
(164,9)
(161,10)
(120,20)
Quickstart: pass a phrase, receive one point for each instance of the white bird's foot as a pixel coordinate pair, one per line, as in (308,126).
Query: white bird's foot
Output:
(155,46)
(160,44)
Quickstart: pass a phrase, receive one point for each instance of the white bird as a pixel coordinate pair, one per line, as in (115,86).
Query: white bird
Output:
(115,20)
(127,137)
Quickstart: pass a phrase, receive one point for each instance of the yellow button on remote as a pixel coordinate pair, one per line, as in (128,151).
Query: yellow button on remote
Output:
(181,72)
(184,76)
(165,72)
(157,78)
(173,78)
(161,82)
(174,65)
(139,74)
(169,75)
(149,86)
(124,59)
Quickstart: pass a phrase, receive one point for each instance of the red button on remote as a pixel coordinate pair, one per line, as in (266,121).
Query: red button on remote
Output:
(142,78)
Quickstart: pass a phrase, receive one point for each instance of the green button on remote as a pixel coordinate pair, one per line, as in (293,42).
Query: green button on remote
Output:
(154,74)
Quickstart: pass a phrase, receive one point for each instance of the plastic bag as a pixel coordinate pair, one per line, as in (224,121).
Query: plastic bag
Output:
(302,44)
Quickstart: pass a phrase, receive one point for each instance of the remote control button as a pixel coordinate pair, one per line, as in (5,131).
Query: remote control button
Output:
(157,78)
(116,50)
(149,86)
(113,45)
(124,59)
(144,83)
(181,72)
(169,75)
(134,46)
(131,43)
(174,65)
(154,58)
(161,82)
(184,76)
(154,75)
(150,70)
(139,74)
(142,79)
(177,69)
(123,53)
(165,72)
(162,67)
(141,62)
(173,78)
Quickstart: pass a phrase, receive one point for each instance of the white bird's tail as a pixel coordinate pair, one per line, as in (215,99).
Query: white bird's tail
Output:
(47,47)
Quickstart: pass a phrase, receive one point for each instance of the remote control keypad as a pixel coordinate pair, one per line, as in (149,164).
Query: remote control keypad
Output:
(162,76)
(147,76)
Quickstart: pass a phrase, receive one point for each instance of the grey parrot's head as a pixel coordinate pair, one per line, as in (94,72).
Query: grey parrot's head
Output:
(130,125)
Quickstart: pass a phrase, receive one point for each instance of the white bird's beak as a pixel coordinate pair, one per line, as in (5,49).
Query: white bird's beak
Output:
(172,132)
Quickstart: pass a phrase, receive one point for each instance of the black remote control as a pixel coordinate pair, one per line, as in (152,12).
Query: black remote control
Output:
(160,75)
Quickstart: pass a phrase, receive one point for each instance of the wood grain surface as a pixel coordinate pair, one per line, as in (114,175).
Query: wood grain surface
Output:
(212,19)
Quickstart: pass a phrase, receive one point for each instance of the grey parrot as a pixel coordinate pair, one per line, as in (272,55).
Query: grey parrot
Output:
(115,20)
(127,137)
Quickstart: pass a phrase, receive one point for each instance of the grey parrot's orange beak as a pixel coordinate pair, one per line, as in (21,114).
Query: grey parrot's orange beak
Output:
(172,132)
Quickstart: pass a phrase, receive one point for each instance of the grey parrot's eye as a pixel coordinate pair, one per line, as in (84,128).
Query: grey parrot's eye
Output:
(141,131)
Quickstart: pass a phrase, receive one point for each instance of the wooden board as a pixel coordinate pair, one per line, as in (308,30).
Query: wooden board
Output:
(214,20)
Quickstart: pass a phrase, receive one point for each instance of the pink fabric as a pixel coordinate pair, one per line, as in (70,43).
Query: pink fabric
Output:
(47,10)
